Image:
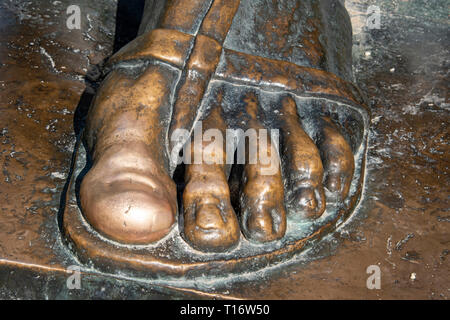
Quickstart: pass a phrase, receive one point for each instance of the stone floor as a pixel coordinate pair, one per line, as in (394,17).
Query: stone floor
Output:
(402,225)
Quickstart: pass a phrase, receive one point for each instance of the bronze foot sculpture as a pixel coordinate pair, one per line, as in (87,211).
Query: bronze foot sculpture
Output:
(245,66)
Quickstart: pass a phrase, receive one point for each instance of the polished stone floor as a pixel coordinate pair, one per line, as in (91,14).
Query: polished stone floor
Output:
(47,77)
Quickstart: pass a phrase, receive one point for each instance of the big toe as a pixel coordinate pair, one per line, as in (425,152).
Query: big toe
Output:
(127,212)
(337,158)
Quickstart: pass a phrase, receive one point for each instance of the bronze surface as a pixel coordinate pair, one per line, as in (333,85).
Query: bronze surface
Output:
(127,194)
(405,194)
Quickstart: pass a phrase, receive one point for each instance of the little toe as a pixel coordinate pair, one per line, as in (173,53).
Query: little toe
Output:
(337,159)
